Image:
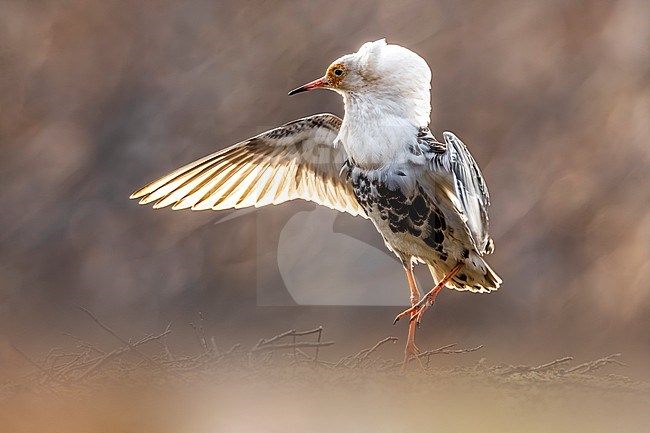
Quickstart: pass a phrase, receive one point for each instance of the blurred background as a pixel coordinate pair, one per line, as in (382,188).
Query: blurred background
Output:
(98,98)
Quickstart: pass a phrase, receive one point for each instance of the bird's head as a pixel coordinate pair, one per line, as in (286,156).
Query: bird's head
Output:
(377,67)
(380,72)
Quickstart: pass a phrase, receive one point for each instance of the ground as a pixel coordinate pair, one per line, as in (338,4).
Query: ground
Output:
(287,383)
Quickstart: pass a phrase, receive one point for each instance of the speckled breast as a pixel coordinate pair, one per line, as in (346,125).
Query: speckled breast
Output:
(409,223)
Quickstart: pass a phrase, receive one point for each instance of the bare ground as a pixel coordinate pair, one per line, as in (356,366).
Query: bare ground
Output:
(287,383)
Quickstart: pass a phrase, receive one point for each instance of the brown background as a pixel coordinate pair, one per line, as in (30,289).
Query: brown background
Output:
(97,98)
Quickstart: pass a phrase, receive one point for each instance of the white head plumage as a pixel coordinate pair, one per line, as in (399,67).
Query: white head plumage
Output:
(387,94)
(384,72)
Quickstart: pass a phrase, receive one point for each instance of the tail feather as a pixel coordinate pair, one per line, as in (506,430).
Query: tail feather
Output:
(475,276)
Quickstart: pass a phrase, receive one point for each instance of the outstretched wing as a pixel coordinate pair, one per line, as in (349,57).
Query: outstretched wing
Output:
(456,168)
(295,160)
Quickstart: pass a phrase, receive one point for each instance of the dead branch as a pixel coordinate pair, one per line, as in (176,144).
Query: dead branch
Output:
(81,366)
(282,346)
(595,365)
(320,334)
(34,363)
(233,348)
(446,350)
(98,361)
(84,344)
(200,333)
(275,338)
(310,332)
(122,340)
(552,364)
(365,353)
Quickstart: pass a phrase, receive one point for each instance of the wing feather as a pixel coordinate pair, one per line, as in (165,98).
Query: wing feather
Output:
(295,161)
(456,169)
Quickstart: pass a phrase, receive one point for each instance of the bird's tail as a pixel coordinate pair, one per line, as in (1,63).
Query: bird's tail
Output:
(475,276)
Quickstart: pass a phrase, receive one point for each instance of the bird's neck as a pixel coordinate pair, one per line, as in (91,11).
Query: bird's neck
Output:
(378,129)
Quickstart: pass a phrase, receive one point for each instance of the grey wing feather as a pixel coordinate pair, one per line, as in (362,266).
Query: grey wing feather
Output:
(457,166)
(297,160)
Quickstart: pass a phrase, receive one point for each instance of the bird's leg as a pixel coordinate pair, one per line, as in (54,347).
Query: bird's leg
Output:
(411,350)
(429,299)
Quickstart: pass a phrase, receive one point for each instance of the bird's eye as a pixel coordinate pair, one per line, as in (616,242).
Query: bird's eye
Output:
(338,72)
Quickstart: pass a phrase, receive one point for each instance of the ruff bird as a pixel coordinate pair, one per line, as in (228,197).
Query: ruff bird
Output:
(427,199)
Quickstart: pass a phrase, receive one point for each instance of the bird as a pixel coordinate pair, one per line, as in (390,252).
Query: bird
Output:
(426,198)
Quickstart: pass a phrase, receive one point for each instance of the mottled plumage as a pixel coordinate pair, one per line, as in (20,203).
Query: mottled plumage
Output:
(427,198)
(421,219)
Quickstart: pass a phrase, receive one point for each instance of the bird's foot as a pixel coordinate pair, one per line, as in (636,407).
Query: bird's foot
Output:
(411,351)
(418,309)
(429,299)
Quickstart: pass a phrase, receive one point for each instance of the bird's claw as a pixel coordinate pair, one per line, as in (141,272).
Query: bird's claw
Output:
(416,311)
(406,312)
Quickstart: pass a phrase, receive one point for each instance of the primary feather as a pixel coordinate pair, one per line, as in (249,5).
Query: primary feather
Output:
(294,161)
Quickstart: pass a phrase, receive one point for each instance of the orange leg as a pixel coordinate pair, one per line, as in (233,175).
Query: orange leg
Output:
(411,350)
(429,299)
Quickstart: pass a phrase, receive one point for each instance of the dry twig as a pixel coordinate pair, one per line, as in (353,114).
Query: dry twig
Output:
(90,363)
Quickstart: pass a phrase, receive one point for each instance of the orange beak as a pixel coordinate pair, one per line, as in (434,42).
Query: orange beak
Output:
(321,83)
